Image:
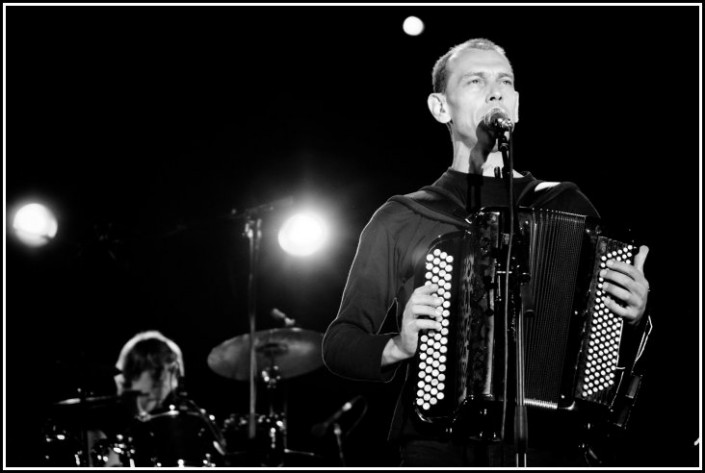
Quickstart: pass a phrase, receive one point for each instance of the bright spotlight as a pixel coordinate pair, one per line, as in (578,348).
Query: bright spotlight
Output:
(303,234)
(413,26)
(35,225)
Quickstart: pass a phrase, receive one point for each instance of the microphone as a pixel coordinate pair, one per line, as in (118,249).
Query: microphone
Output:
(281,316)
(319,430)
(498,120)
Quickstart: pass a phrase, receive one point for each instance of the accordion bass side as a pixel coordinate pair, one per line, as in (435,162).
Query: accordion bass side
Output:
(572,341)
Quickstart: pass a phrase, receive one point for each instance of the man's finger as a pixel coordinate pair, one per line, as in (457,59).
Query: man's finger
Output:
(640,258)
(427,289)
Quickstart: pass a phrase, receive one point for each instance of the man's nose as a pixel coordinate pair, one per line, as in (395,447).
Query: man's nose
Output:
(495,95)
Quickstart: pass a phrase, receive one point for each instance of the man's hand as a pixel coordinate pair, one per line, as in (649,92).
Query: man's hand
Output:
(627,287)
(422,311)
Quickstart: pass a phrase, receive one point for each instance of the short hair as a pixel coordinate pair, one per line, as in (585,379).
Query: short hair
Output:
(440,69)
(148,351)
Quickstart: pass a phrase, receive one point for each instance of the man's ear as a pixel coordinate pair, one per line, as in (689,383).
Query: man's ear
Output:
(516,109)
(439,108)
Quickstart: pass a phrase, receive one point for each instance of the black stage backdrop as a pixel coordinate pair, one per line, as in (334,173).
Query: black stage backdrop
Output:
(144,126)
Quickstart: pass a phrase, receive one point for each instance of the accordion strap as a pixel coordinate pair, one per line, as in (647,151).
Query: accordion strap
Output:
(440,204)
(435,203)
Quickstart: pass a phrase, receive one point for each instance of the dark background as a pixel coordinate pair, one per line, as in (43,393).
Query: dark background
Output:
(143,127)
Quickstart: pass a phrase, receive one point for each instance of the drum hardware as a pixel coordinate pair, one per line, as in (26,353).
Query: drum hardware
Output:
(268,356)
(69,435)
(281,354)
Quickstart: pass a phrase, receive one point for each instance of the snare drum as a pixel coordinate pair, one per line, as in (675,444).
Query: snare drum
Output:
(180,436)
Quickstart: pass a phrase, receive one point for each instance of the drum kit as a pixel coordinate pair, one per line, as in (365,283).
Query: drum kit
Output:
(108,431)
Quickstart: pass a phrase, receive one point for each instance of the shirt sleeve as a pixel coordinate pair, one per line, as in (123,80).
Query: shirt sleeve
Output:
(352,345)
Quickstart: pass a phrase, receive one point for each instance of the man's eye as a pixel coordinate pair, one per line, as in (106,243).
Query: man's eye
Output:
(508,82)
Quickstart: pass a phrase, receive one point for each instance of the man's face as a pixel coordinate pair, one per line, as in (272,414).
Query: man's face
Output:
(478,82)
(156,389)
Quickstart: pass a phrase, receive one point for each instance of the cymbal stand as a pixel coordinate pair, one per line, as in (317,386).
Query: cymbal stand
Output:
(253,231)
(276,431)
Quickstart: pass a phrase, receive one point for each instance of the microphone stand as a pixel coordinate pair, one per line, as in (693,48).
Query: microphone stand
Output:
(513,300)
(339,440)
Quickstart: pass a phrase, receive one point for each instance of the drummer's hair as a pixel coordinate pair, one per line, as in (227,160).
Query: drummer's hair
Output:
(151,355)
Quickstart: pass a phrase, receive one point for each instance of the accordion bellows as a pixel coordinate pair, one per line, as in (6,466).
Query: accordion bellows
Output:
(572,341)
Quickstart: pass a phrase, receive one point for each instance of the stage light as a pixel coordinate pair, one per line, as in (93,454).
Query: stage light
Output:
(34,225)
(413,26)
(303,234)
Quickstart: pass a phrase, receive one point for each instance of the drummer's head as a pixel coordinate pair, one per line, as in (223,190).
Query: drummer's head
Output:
(152,364)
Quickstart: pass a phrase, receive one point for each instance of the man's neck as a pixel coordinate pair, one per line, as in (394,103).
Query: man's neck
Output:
(462,163)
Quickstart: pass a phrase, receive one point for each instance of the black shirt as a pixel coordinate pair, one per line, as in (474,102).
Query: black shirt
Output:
(381,275)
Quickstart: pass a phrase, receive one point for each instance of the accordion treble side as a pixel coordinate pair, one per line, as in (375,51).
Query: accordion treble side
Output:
(572,341)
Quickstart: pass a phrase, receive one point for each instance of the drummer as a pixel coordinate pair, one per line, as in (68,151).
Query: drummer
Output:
(151,364)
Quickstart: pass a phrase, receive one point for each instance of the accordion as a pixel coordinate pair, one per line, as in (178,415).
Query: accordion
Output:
(571,340)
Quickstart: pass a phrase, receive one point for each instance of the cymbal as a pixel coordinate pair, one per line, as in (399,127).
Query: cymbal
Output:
(103,412)
(294,351)
(100,401)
